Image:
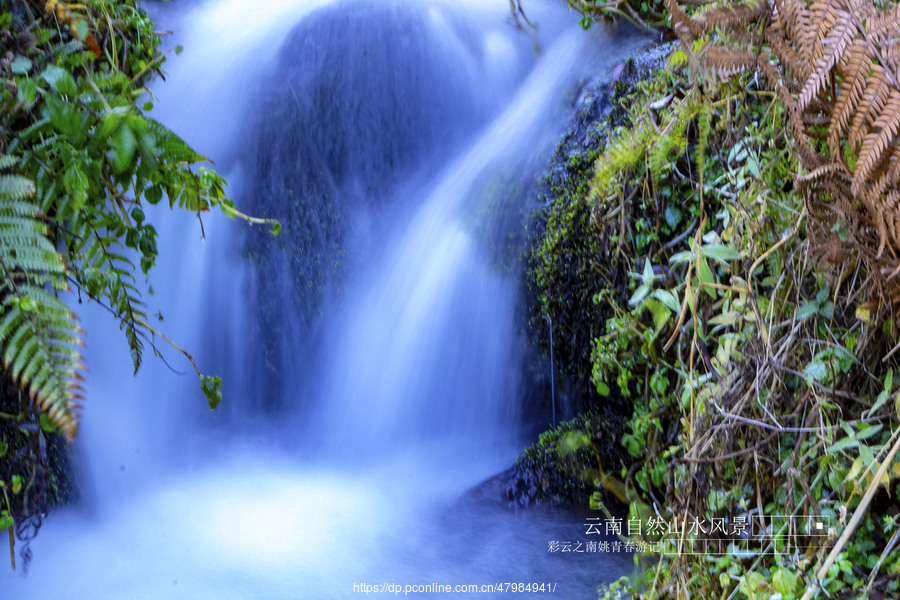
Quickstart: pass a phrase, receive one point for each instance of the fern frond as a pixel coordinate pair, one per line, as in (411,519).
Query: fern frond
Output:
(673,135)
(876,92)
(683,25)
(727,62)
(39,335)
(171,147)
(832,169)
(854,73)
(13,187)
(621,155)
(787,56)
(875,145)
(883,24)
(834,45)
(730,17)
(806,34)
(105,271)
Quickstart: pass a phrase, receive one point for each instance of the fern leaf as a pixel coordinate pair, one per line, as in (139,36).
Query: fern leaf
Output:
(731,17)
(38,333)
(805,34)
(854,76)
(877,90)
(172,148)
(823,19)
(684,26)
(13,187)
(883,24)
(728,62)
(875,146)
(621,155)
(828,170)
(834,44)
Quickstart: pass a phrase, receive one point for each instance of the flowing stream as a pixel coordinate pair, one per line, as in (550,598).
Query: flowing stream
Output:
(359,421)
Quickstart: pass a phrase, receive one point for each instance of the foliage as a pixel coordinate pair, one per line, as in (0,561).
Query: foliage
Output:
(80,159)
(835,68)
(759,361)
(643,13)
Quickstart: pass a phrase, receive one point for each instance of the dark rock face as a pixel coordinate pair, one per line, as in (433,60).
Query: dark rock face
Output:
(364,95)
(541,475)
(43,459)
(566,244)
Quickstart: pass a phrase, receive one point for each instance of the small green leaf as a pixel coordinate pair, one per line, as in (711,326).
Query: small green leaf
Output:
(867,456)
(123,144)
(27,92)
(721,252)
(20,65)
(753,166)
(59,80)
(640,293)
(212,389)
(27,304)
(751,583)
(65,118)
(648,274)
(668,299)
(785,582)
(841,229)
(815,371)
(76,185)
(807,310)
(659,311)
(672,215)
(706,276)
(16,484)
(48,425)
(842,444)
(728,318)
(81,30)
(867,431)
(602,388)
(882,399)
(4,448)
(276,228)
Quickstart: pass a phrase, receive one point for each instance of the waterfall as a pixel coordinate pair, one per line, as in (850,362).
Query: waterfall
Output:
(370,353)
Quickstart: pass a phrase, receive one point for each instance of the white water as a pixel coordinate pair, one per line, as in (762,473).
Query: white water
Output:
(416,400)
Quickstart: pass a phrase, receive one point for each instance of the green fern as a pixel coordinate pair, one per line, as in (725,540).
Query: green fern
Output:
(39,335)
(645,143)
(105,272)
(621,156)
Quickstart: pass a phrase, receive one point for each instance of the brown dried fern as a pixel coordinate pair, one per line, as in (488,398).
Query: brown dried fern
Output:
(835,64)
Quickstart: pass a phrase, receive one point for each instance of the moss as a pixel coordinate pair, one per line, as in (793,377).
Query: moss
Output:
(561,468)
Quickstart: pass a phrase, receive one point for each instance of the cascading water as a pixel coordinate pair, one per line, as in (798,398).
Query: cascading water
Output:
(371,354)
